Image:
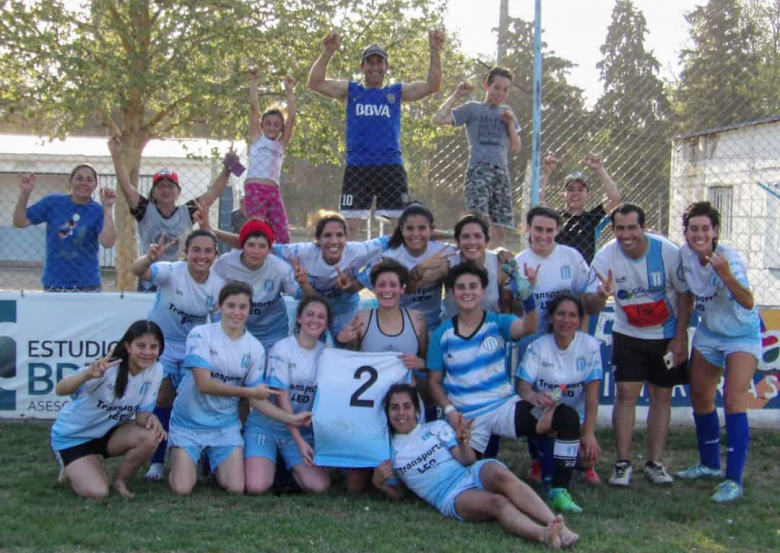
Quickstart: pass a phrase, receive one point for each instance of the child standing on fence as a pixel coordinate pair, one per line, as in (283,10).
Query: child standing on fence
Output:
(492,130)
(269,136)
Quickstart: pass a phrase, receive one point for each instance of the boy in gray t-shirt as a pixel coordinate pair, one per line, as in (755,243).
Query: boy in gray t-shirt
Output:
(492,130)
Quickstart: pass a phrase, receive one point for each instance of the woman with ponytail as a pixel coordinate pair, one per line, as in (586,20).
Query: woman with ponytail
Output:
(106,394)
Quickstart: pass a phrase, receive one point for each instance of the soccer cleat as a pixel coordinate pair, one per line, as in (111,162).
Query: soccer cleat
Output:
(590,477)
(561,500)
(155,472)
(657,474)
(694,472)
(535,472)
(621,474)
(728,490)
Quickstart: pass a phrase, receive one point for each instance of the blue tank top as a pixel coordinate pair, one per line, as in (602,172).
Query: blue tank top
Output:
(374,125)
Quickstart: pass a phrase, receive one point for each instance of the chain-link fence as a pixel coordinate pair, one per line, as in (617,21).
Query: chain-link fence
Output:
(661,147)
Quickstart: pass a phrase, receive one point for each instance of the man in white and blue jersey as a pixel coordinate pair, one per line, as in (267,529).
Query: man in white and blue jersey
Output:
(652,311)
(468,377)
(374,162)
(728,339)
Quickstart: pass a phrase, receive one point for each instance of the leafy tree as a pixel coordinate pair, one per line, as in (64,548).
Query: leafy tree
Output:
(765,16)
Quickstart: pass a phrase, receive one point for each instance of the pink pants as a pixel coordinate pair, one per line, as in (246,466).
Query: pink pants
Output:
(265,201)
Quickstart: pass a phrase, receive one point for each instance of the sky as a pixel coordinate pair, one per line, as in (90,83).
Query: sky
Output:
(575,29)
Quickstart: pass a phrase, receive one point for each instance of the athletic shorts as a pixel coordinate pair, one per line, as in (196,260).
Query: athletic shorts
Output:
(173,369)
(98,446)
(362,182)
(257,444)
(500,421)
(265,201)
(487,190)
(217,454)
(470,481)
(715,348)
(640,360)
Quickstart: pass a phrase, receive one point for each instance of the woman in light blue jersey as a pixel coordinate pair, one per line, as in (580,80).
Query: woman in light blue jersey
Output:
(105,396)
(728,339)
(434,461)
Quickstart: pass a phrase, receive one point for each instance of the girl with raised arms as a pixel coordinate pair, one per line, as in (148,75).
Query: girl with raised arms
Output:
(727,341)
(292,367)
(187,294)
(224,363)
(96,422)
(454,481)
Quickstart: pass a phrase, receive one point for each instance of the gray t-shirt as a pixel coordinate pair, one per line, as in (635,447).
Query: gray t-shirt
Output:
(486,131)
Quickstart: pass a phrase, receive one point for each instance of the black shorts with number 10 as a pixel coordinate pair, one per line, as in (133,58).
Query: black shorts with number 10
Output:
(362,182)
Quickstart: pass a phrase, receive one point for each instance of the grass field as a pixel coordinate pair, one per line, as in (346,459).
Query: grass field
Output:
(39,516)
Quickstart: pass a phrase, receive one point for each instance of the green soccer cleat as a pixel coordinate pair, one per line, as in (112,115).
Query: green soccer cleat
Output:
(727,491)
(694,472)
(561,500)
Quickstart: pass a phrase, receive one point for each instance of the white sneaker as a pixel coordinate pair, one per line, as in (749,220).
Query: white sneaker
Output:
(656,473)
(155,472)
(621,474)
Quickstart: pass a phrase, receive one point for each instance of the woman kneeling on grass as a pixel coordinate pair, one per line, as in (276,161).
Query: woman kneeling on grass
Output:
(106,394)
(450,477)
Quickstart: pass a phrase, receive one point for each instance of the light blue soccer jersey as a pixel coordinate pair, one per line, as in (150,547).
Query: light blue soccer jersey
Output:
(181,303)
(563,372)
(268,321)
(322,277)
(350,425)
(475,378)
(718,311)
(236,362)
(423,462)
(94,409)
(293,368)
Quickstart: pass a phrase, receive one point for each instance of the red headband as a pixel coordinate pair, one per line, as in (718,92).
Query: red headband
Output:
(256,226)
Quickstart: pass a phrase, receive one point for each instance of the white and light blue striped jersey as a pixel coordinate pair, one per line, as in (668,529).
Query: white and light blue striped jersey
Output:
(492,293)
(718,311)
(293,368)
(268,321)
(475,378)
(94,409)
(423,462)
(564,270)
(238,362)
(350,425)
(428,296)
(322,277)
(181,303)
(566,372)
(646,289)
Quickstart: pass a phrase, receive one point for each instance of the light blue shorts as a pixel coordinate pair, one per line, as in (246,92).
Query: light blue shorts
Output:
(173,369)
(257,444)
(715,348)
(216,454)
(470,481)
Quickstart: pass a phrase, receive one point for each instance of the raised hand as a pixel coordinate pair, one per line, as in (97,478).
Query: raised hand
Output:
(593,161)
(115,145)
(549,163)
(531,274)
(99,367)
(719,264)
(463,89)
(263,392)
(289,83)
(606,285)
(107,197)
(26,182)
(508,116)
(436,261)
(201,216)
(345,280)
(253,73)
(157,249)
(517,284)
(351,332)
(299,271)
(436,39)
(332,42)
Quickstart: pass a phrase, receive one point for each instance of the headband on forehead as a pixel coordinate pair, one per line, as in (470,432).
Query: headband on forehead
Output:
(256,226)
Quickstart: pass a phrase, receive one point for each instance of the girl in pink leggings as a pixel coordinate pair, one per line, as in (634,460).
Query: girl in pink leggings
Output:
(269,137)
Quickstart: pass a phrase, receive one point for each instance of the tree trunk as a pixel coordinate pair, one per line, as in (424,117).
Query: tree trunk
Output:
(126,240)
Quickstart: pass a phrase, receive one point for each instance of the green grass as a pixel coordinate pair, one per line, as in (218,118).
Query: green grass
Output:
(39,516)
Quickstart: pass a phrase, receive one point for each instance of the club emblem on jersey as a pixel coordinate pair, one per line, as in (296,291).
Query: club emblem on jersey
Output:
(210,302)
(391,98)
(291,366)
(490,344)
(580,363)
(655,278)
(269,285)
(145,387)
(246,360)
(565,272)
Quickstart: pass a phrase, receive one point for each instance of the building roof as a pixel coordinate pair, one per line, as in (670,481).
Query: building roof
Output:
(21,144)
(733,126)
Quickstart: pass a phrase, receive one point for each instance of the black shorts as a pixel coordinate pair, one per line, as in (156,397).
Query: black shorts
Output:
(639,360)
(98,446)
(362,182)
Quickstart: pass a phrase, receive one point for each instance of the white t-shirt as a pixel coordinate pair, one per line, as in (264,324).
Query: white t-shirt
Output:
(646,289)
(564,270)
(566,372)
(94,409)
(266,158)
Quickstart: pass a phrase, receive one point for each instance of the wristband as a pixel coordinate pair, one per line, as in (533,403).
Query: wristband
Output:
(449,409)
(529,304)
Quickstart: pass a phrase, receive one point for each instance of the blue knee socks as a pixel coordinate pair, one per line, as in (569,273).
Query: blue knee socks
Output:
(164,415)
(738,438)
(708,437)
